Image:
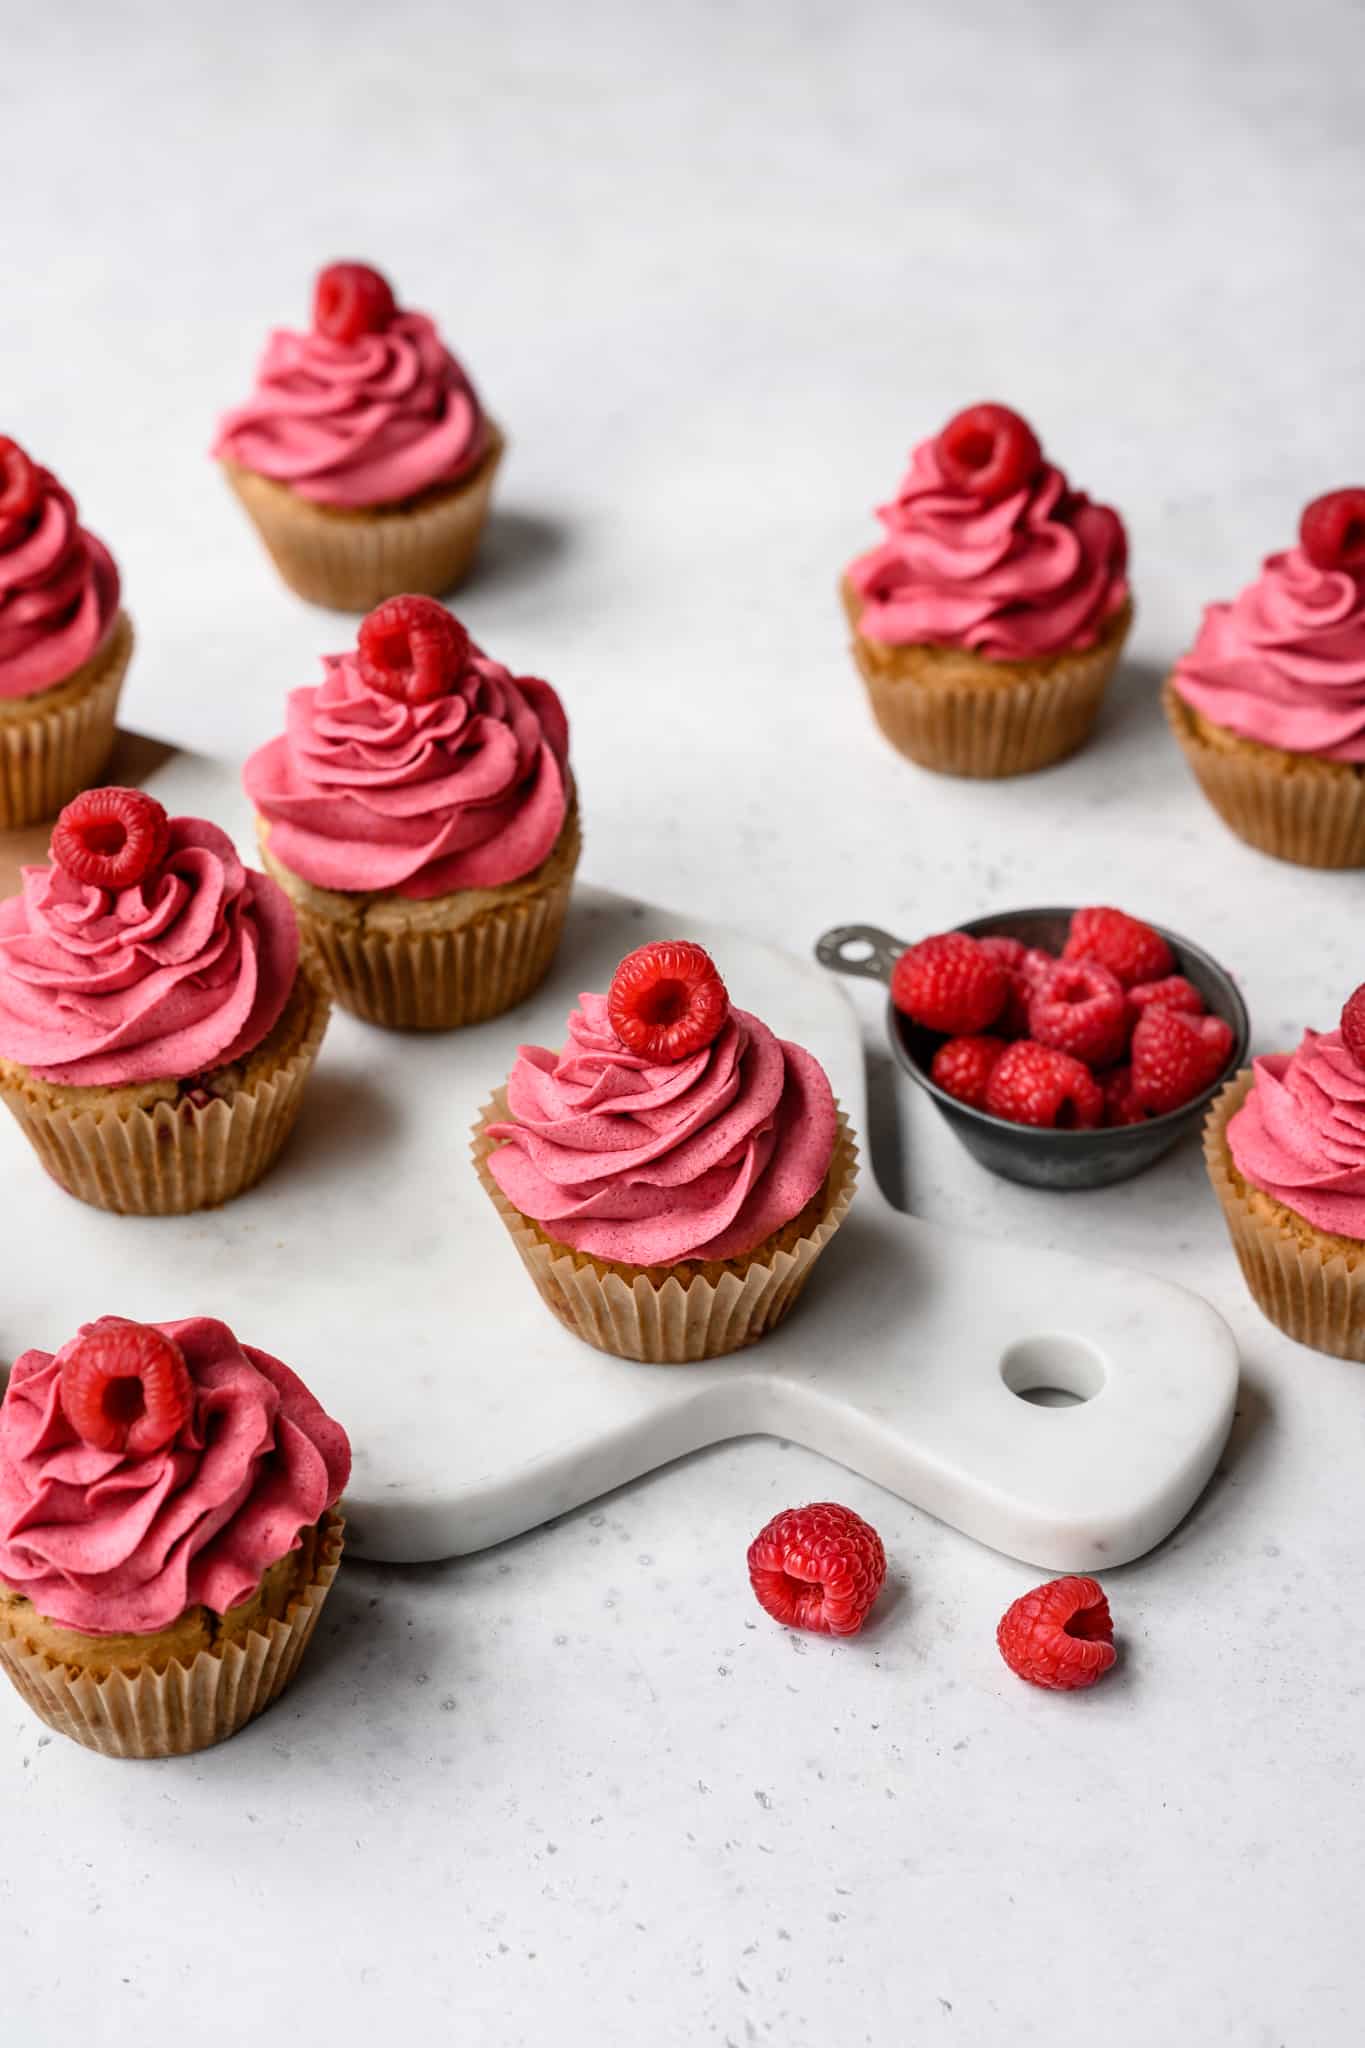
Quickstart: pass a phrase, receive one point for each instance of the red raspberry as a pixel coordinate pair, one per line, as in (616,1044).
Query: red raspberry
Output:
(988,451)
(819,1567)
(1332,531)
(1353,1025)
(1060,1635)
(1016,959)
(1120,1104)
(20,481)
(1079,1008)
(112,838)
(1176,1056)
(1128,948)
(949,983)
(1033,1084)
(412,648)
(1036,963)
(350,299)
(1011,953)
(1174,993)
(667,1001)
(125,1386)
(963,1066)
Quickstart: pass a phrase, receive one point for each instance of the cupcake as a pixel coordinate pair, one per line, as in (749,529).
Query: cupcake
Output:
(672,1175)
(1269,704)
(157,1024)
(168,1532)
(992,616)
(64,644)
(1285,1148)
(419,812)
(363,455)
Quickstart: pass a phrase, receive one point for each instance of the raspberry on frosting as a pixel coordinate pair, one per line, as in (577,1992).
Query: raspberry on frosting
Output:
(59,588)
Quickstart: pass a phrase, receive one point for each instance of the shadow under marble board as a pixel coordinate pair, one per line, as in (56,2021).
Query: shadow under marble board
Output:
(373,1262)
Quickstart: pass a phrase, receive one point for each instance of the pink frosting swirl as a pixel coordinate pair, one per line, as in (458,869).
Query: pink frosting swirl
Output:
(1299,1135)
(59,593)
(1284,663)
(358,423)
(465,791)
(182,972)
(1041,570)
(649,1164)
(111,1543)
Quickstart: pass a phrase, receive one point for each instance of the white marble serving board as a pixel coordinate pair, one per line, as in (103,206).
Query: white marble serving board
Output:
(373,1262)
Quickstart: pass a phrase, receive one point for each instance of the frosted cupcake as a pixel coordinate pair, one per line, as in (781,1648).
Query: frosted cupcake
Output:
(168,1532)
(420,813)
(363,456)
(989,621)
(65,644)
(156,1024)
(670,1176)
(1285,1147)
(1269,703)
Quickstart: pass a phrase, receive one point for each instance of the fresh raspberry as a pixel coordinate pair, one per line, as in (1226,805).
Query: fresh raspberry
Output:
(1120,1104)
(412,648)
(1034,1084)
(667,1000)
(1332,530)
(1079,1007)
(20,483)
(1353,1025)
(1176,1057)
(1128,948)
(125,1386)
(1014,956)
(350,299)
(1036,963)
(989,451)
(111,837)
(1011,953)
(819,1567)
(963,1066)
(1174,993)
(1060,1635)
(949,983)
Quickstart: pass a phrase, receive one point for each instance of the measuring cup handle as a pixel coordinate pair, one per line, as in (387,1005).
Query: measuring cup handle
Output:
(861,949)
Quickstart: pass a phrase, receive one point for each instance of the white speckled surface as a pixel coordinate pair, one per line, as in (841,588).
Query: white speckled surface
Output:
(715,273)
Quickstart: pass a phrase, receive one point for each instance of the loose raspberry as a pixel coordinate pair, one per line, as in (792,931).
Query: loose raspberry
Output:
(1060,1635)
(125,1386)
(667,1001)
(1128,948)
(1079,1007)
(1034,1084)
(989,451)
(412,648)
(350,299)
(949,983)
(1174,993)
(1332,530)
(1353,1025)
(819,1567)
(963,1066)
(1176,1057)
(20,486)
(112,838)
(1120,1104)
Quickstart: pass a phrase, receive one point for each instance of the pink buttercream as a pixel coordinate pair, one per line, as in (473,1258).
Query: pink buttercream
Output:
(110,1543)
(1299,1135)
(651,1164)
(59,593)
(364,422)
(466,791)
(1041,570)
(185,971)
(1284,663)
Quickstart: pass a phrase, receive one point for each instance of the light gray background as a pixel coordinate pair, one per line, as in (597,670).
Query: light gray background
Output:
(715,268)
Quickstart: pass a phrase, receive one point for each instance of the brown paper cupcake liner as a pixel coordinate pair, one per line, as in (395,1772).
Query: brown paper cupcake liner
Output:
(1290,805)
(1308,1283)
(182,1708)
(962,714)
(352,560)
(55,744)
(658,1317)
(168,1158)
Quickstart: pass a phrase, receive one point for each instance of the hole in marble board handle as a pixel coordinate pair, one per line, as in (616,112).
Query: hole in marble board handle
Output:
(1053,1371)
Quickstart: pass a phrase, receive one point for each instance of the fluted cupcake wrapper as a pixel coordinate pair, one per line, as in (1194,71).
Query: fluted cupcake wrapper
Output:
(719,1310)
(171,1158)
(181,1708)
(55,744)
(1309,1290)
(1292,806)
(352,560)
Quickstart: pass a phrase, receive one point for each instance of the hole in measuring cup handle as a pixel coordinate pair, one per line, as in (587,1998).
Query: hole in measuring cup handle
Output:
(864,950)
